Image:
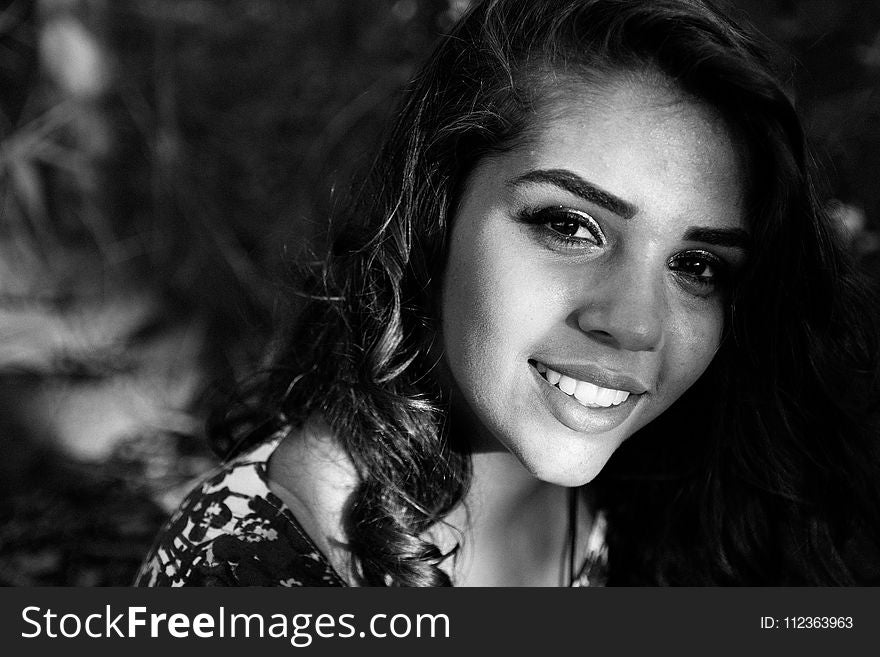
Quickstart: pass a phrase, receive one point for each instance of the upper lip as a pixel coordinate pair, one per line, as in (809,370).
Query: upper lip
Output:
(597,375)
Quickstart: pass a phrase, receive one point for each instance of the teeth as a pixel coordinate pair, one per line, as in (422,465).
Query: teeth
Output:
(588,394)
(606,396)
(567,385)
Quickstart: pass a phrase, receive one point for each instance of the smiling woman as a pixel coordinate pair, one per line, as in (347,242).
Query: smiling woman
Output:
(586,324)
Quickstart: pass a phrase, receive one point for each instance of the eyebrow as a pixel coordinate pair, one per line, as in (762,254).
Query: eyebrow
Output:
(729,237)
(576,185)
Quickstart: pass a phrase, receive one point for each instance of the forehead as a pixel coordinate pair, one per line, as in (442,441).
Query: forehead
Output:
(643,141)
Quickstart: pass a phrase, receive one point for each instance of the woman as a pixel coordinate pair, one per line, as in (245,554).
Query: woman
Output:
(586,323)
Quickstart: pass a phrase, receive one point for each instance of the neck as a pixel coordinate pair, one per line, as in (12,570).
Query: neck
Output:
(512,528)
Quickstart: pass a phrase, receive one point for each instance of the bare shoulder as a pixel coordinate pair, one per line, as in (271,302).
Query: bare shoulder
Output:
(314,477)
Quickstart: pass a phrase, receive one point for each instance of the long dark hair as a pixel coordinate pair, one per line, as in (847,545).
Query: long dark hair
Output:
(757,475)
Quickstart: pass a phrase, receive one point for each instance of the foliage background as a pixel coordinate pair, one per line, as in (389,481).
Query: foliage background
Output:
(160,160)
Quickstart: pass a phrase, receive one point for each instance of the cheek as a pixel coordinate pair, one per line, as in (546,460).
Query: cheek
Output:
(490,304)
(696,337)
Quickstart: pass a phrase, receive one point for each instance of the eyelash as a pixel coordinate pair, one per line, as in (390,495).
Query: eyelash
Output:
(698,285)
(544,217)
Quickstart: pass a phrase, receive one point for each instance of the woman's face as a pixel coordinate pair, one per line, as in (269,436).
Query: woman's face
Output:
(585,283)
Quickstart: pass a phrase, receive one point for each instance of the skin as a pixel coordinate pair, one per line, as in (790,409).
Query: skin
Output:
(636,299)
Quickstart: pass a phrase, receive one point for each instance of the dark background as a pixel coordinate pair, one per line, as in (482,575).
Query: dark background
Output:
(159,160)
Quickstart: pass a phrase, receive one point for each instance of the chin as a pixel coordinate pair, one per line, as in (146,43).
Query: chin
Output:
(567,468)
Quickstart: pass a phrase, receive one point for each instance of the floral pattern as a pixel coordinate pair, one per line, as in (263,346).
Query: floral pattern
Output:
(233,531)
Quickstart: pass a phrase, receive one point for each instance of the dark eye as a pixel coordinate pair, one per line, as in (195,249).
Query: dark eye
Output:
(695,265)
(573,226)
(699,272)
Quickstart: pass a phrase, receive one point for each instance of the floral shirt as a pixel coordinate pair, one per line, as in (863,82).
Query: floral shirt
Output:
(232,530)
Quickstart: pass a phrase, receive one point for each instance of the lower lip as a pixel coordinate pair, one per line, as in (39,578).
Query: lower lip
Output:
(580,418)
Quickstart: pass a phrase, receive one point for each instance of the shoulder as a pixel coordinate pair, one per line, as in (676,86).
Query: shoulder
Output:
(232,530)
(314,477)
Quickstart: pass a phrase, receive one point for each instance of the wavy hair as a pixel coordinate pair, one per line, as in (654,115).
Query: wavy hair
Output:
(758,475)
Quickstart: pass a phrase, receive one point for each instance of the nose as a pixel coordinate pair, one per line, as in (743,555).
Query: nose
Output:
(625,308)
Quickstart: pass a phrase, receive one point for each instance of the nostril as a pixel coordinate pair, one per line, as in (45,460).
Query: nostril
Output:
(631,338)
(602,336)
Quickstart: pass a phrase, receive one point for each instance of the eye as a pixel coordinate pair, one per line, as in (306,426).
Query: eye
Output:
(699,272)
(567,226)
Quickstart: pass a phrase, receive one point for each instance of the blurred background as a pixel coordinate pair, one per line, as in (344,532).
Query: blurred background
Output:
(159,161)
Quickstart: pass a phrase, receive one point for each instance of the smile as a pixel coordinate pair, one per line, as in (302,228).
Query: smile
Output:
(585,393)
